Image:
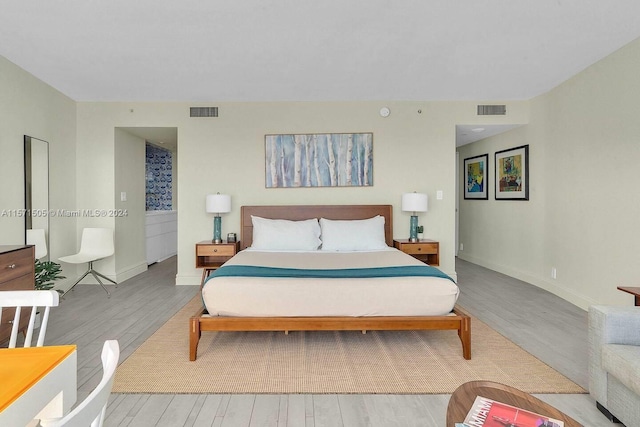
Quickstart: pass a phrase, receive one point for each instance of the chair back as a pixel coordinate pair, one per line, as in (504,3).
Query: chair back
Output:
(34,300)
(91,411)
(97,242)
(37,238)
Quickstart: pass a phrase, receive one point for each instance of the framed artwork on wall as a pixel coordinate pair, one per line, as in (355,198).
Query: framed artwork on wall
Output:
(512,174)
(319,160)
(476,170)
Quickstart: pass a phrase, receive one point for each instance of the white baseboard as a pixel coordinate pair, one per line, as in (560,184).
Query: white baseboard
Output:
(131,271)
(573,298)
(188,280)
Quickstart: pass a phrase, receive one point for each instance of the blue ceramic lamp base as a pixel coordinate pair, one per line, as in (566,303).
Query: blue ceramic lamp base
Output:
(217,229)
(413,229)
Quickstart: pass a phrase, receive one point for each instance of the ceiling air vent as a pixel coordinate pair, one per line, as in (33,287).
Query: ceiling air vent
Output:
(203,111)
(492,110)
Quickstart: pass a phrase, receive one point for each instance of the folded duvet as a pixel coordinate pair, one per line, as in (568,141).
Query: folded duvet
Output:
(343,273)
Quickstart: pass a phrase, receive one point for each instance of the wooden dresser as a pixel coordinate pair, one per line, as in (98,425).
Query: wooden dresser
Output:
(17,272)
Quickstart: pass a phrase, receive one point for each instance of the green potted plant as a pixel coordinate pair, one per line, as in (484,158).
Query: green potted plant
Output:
(47,272)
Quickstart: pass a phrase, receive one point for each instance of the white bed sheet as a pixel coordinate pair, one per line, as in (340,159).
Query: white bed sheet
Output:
(289,297)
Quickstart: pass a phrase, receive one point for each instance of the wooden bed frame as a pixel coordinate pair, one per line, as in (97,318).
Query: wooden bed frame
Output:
(458,320)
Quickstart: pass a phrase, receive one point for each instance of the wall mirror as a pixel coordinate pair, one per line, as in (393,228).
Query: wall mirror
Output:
(36,195)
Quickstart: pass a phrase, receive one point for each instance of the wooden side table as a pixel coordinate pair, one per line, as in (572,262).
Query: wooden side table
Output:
(463,397)
(427,251)
(210,256)
(635,291)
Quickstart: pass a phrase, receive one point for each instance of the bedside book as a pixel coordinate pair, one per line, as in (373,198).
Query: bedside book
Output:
(490,413)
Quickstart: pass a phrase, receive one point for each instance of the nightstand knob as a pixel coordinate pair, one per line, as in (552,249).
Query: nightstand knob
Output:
(215,250)
(419,248)
(11,266)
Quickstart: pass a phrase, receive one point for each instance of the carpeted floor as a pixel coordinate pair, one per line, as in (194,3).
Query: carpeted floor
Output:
(393,362)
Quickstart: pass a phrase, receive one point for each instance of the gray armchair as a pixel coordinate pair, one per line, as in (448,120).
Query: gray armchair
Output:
(614,362)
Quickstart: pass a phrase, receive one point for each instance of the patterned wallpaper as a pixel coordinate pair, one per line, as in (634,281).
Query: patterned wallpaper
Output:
(158,178)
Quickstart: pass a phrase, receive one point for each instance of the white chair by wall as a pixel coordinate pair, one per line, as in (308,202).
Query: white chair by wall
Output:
(37,238)
(91,410)
(28,299)
(96,244)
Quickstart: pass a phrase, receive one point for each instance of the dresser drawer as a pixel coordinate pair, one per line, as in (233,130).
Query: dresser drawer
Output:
(18,284)
(7,321)
(216,250)
(16,273)
(15,264)
(420,248)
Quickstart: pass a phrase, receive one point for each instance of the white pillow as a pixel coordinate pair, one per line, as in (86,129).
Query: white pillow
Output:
(285,235)
(353,235)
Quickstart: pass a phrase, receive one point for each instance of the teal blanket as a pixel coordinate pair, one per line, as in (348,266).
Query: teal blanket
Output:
(395,271)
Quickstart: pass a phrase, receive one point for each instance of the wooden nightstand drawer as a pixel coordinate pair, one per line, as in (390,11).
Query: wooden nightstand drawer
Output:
(216,250)
(420,248)
(427,251)
(210,256)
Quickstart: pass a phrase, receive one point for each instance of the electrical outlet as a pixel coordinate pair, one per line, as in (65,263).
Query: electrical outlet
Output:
(123,196)
(461,246)
(554,273)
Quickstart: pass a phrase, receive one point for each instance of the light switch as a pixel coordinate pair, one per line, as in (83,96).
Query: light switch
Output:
(123,196)
(439,194)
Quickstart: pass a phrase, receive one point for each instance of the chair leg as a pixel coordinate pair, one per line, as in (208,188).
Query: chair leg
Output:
(104,277)
(77,281)
(95,274)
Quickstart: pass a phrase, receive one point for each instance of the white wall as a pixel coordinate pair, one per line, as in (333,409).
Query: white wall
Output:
(130,221)
(30,107)
(582,216)
(412,151)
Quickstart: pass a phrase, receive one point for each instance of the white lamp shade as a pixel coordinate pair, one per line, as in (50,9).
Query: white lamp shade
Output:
(218,203)
(414,202)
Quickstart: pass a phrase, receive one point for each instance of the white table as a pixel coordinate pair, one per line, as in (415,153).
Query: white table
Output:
(37,382)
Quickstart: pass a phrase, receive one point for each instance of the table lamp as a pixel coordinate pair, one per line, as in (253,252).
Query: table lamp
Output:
(414,202)
(218,203)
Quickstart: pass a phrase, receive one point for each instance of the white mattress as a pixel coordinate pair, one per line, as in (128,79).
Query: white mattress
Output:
(285,297)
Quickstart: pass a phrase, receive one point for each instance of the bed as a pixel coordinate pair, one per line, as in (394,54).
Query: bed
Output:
(233,305)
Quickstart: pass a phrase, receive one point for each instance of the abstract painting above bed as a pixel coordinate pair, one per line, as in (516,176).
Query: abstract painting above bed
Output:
(319,160)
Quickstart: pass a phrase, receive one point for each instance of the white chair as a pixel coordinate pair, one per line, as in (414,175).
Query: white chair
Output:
(96,244)
(36,237)
(33,300)
(91,411)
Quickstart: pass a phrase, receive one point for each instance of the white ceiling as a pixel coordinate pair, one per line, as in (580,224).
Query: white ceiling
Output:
(311,50)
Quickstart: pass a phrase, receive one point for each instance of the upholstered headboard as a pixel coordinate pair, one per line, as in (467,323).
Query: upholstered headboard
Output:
(302,212)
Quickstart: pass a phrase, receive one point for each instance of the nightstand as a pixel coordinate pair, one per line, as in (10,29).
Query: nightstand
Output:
(427,251)
(210,256)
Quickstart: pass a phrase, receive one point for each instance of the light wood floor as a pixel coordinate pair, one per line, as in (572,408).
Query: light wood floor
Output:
(546,326)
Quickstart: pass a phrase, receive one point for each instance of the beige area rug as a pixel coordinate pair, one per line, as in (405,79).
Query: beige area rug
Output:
(389,362)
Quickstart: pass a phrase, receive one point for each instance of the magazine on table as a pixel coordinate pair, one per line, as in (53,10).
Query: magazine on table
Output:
(490,413)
